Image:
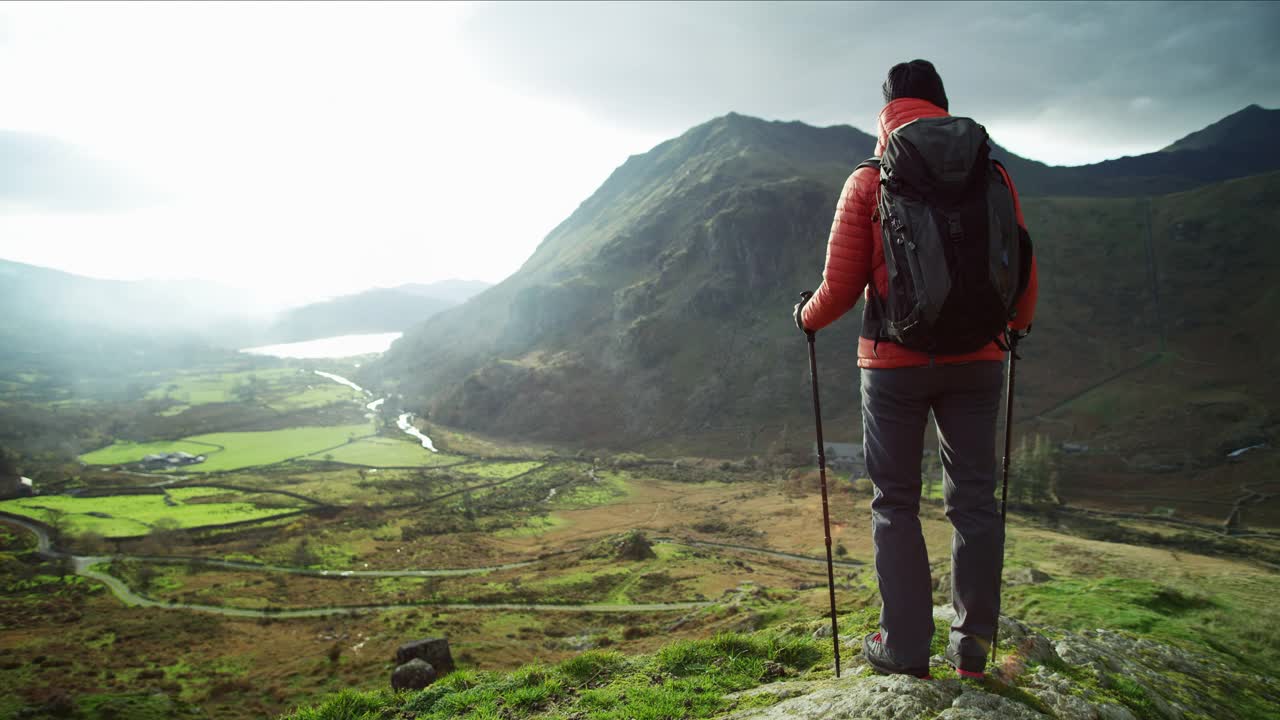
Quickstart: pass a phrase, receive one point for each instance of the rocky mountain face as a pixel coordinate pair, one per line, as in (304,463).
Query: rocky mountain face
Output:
(659,310)
(633,319)
(1097,675)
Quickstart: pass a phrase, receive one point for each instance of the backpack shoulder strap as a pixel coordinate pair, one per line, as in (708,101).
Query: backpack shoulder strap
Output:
(1004,170)
(872,162)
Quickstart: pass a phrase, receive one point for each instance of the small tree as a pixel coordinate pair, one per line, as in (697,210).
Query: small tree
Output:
(468,511)
(247,391)
(58,524)
(145,575)
(1035,473)
(165,533)
(91,543)
(303,556)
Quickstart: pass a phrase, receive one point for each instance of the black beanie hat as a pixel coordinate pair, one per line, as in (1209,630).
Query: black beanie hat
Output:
(915,79)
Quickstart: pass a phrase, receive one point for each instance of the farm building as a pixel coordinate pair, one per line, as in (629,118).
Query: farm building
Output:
(14,486)
(842,455)
(170,460)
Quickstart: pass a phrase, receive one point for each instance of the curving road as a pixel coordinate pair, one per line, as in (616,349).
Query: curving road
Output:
(242,565)
(762,551)
(84,566)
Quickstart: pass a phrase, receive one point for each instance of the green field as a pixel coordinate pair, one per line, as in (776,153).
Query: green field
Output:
(277,388)
(498,470)
(315,396)
(387,452)
(127,515)
(250,449)
(124,451)
(611,487)
(205,388)
(240,449)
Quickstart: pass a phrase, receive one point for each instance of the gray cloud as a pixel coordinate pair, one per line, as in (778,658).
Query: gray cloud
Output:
(45,173)
(1111,74)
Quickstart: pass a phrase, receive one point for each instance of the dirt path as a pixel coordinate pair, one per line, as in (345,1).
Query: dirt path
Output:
(262,567)
(761,551)
(84,566)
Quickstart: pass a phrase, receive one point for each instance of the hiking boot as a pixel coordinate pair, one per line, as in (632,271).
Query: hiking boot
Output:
(877,656)
(967,666)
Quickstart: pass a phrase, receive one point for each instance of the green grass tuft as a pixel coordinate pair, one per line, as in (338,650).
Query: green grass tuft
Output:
(347,705)
(1161,612)
(593,667)
(687,679)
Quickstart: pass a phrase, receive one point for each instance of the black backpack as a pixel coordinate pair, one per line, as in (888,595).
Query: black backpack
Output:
(956,258)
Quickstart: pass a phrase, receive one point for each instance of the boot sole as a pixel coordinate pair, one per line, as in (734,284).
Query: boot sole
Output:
(914,672)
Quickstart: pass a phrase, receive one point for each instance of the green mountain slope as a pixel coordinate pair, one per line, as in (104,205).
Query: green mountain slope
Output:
(622,322)
(658,313)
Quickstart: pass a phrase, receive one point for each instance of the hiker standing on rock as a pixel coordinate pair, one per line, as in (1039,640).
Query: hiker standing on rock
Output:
(931,229)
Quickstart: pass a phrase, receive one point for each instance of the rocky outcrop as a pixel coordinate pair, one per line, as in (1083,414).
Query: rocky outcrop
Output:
(634,546)
(1043,673)
(1026,576)
(413,675)
(430,650)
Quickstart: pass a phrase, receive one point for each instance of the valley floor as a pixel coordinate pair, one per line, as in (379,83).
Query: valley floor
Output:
(294,568)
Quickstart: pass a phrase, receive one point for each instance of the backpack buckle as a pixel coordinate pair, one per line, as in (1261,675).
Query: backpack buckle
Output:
(956,228)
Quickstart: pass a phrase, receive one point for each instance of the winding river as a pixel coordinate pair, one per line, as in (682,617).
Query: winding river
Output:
(404,422)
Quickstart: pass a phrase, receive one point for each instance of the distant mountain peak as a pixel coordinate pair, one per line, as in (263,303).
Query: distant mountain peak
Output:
(1253,124)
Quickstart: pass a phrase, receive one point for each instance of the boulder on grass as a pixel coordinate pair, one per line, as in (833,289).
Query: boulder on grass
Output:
(434,651)
(413,675)
(1026,576)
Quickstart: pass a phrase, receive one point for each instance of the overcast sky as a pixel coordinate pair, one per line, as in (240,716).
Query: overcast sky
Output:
(308,150)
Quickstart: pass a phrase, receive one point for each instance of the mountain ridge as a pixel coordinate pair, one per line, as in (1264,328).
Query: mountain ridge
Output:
(1251,125)
(690,243)
(371,311)
(57,315)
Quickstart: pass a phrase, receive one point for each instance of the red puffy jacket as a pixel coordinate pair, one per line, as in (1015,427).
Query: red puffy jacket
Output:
(856,255)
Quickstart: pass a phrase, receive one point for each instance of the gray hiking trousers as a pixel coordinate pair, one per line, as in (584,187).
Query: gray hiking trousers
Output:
(965,400)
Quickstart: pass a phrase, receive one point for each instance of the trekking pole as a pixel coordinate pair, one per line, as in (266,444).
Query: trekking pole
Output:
(826,514)
(1004,485)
